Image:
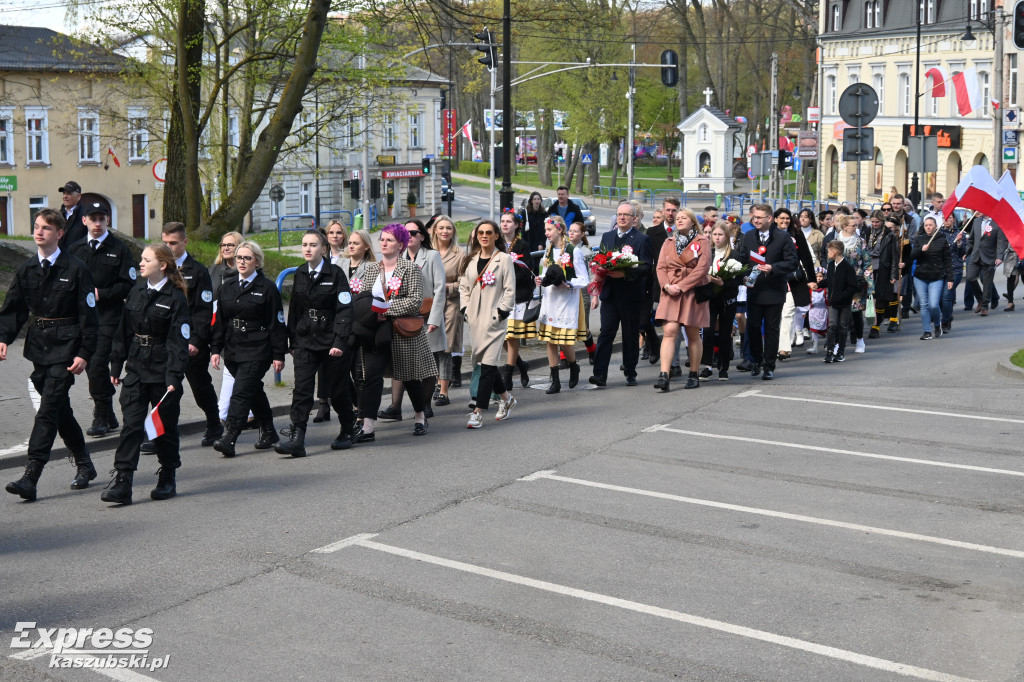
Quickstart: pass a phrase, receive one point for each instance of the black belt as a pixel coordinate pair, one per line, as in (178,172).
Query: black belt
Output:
(247,325)
(146,340)
(45,322)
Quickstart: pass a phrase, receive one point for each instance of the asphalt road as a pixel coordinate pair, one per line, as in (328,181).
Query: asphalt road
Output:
(845,522)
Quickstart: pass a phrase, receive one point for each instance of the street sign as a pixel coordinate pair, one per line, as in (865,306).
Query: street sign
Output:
(858,105)
(428,156)
(1010,137)
(385,159)
(8,183)
(796,161)
(924,154)
(858,144)
(587,159)
(761,164)
(807,145)
(1009,155)
(1011,117)
(276,193)
(160,169)
(814,114)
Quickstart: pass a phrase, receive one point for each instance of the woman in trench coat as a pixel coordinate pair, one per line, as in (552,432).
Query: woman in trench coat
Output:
(445,240)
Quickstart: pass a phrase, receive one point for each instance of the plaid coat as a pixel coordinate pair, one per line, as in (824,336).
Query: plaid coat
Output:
(411,358)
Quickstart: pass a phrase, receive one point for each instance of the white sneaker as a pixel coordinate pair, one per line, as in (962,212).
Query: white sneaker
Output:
(505,408)
(476,420)
(860,346)
(799,340)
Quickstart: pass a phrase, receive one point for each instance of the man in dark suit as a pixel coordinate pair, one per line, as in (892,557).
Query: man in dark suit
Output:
(624,299)
(989,246)
(765,299)
(71,198)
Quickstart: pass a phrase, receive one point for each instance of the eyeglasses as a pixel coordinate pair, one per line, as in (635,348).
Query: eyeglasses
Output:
(485,233)
(245,259)
(624,215)
(228,245)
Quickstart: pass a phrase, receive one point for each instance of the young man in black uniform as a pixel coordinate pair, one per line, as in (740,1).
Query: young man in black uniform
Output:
(74,228)
(113,272)
(58,291)
(200,305)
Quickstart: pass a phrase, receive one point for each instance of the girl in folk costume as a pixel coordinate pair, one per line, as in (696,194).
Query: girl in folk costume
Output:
(487,295)
(442,235)
(562,320)
(682,265)
(518,327)
(722,304)
(578,238)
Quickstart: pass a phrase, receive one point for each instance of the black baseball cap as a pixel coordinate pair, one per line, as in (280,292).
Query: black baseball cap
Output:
(93,209)
(69,187)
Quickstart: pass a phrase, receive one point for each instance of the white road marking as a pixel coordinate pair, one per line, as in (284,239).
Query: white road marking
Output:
(638,607)
(20,448)
(342,544)
(120,674)
(1016,554)
(756,393)
(817,448)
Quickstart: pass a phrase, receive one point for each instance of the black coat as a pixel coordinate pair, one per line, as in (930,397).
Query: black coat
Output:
(112,266)
(770,287)
(163,318)
(798,286)
(933,264)
(200,300)
(74,229)
(250,324)
(65,297)
(631,289)
(657,234)
(885,261)
(320,314)
(841,283)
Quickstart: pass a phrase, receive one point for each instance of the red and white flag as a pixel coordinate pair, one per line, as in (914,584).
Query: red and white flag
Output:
(939,76)
(976,191)
(111,154)
(1011,218)
(968,92)
(467,130)
(154,425)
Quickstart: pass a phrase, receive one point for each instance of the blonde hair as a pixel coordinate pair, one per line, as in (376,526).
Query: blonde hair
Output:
(237,236)
(839,221)
(257,251)
(433,229)
(364,237)
(730,231)
(638,209)
(689,214)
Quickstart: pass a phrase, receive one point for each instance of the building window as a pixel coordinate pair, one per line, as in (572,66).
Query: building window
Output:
(305,190)
(879,170)
(7,137)
(979,9)
(854,77)
(389,131)
(1013,79)
(275,209)
(138,136)
(837,16)
(878,13)
(37,136)
(88,137)
(927,10)
(352,132)
(830,94)
(986,92)
(35,205)
(415,141)
(904,95)
(878,83)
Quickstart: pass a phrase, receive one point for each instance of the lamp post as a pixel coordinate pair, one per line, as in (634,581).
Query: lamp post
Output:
(507,194)
(915,193)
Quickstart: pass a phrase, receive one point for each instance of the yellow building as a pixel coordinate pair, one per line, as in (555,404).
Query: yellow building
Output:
(875,42)
(64,116)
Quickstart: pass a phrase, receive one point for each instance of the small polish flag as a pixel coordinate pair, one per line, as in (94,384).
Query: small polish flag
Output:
(968,92)
(995,103)
(110,152)
(939,77)
(213,319)
(154,425)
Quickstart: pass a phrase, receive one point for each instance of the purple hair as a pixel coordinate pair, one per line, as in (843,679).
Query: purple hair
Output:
(398,231)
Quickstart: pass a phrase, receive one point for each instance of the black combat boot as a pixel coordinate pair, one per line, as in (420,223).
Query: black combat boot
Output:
(26,485)
(296,443)
(663,382)
(268,436)
(344,439)
(119,490)
(108,407)
(456,371)
(574,374)
(148,447)
(556,383)
(99,421)
(214,430)
(85,471)
(524,373)
(165,485)
(226,443)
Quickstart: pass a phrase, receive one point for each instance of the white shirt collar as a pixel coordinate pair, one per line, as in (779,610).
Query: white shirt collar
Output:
(179,261)
(249,279)
(318,268)
(159,285)
(52,258)
(100,239)
(621,233)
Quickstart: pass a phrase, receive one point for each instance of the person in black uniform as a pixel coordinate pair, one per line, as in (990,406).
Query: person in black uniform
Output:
(151,343)
(113,272)
(74,228)
(319,324)
(250,332)
(200,304)
(57,290)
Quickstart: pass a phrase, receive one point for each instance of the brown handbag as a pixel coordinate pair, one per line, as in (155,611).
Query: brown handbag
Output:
(425,307)
(409,326)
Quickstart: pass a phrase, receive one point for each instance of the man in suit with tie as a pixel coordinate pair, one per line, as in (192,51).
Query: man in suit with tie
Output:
(989,247)
(71,211)
(776,260)
(624,299)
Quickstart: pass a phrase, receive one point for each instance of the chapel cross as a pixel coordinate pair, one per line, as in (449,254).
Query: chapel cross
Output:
(707,95)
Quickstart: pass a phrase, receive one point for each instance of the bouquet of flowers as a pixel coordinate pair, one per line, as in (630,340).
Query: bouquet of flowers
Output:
(727,269)
(607,261)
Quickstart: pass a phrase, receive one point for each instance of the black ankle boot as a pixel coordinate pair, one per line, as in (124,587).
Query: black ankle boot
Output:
(663,382)
(119,490)
(344,439)
(296,443)
(226,443)
(268,436)
(99,421)
(506,376)
(323,414)
(26,485)
(524,372)
(556,383)
(574,374)
(456,371)
(85,471)
(214,430)
(166,487)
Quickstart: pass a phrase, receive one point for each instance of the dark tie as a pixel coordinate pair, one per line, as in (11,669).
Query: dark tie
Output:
(244,285)
(94,243)
(46,267)
(313,277)
(764,237)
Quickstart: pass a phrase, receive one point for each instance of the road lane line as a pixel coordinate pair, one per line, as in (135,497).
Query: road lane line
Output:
(756,393)
(647,609)
(1016,554)
(817,448)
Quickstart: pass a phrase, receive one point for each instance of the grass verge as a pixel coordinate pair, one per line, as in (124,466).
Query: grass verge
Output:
(1018,358)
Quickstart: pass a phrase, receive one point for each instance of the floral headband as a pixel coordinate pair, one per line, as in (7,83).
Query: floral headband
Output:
(515,216)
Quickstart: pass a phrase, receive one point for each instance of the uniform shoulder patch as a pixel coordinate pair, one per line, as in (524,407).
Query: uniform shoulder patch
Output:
(207,295)
(186,332)
(280,316)
(90,299)
(132,273)
(344,297)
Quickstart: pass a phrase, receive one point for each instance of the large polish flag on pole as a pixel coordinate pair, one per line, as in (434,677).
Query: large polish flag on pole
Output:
(976,191)
(1011,219)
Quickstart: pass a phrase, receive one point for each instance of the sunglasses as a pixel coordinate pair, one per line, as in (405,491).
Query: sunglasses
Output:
(415,233)
(485,233)
(245,259)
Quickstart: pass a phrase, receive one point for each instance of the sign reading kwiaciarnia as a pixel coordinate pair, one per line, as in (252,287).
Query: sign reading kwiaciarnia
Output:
(8,183)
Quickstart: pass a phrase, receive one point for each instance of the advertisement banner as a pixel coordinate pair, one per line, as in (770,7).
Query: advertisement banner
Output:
(448,131)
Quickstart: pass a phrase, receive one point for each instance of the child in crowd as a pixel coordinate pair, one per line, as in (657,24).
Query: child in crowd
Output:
(840,282)
(817,316)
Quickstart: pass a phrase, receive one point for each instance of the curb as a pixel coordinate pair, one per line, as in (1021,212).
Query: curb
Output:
(1008,369)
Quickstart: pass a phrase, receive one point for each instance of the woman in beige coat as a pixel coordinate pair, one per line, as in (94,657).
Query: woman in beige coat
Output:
(442,235)
(487,293)
(683,264)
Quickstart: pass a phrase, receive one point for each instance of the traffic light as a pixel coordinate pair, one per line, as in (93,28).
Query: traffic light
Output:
(1018,25)
(444,100)
(354,186)
(670,67)
(425,164)
(488,47)
(785,160)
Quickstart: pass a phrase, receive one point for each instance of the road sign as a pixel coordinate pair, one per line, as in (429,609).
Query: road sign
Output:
(1010,137)
(277,193)
(8,183)
(762,163)
(428,156)
(923,154)
(807,145)
(858,105)
(1011,117)
(796,161)
(587,159)
(1009,155)
(160,169)
(814,114)
(858,144)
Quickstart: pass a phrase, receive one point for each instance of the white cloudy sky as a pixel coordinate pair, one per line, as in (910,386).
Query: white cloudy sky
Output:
(44,13)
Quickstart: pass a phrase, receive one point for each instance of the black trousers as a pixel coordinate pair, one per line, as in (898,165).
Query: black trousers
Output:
(490,382)
(137,399)
(722,337)
(53,382)
(979,277)
(331,376)
(374,365)
(248,393)
(764,351)
(198,374)
(613,315)
(839,320)
(98,369)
